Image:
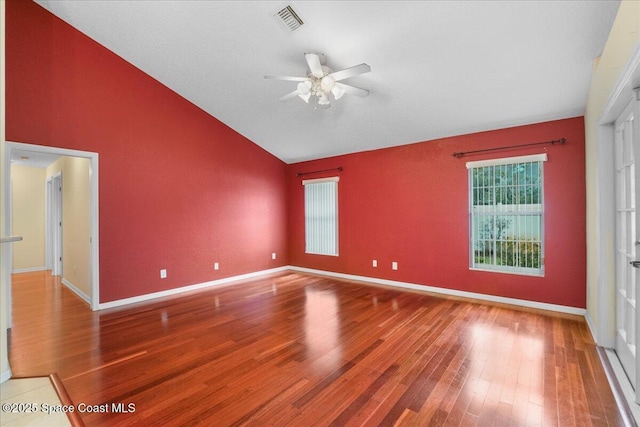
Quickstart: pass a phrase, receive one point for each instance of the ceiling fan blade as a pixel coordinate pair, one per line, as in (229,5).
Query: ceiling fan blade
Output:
(352,90)
(313,60)
(289,96)
(289,78)
(350,72)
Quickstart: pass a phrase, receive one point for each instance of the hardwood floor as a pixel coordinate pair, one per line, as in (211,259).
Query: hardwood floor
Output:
(300,350)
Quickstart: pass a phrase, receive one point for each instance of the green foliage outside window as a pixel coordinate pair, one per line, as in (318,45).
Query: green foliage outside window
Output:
(507,215)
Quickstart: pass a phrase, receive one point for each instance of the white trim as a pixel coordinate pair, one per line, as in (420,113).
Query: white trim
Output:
(618,98)
(5,225)
(518,271)
(319,180)
(478,216)
(604,247)
(591,327)
(321,217)
(507,160)
(28,270)
(53,236)
(189,288)
(374,280)
(94,251)
(76,291)
(5,376)
(451,292)
(48,184)
(627,390)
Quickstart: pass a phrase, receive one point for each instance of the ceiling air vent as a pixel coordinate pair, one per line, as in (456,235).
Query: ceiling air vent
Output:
(288,19)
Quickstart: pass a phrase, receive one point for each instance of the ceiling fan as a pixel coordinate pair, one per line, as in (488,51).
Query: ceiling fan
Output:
(322,81)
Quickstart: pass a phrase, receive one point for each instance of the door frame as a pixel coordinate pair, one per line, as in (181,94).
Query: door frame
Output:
(94,245)
(625,90)
(630,117)
(53,232)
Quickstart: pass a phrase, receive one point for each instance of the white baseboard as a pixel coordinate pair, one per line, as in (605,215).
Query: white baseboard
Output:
(591,328)
(404,285)
(625,385)
(189,288)
(6,375)
(28,270)
(76,291)
(451,292)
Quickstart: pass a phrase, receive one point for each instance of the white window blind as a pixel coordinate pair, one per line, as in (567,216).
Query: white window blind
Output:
(506,214)
(321,216)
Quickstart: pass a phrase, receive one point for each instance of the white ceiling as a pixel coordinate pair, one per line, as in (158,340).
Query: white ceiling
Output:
(438,68)
(32,158)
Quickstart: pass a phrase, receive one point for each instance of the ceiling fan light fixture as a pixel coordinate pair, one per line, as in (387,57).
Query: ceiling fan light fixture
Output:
(337,92)
(323,99)
(323,81)
(304,87)
(327,83)
(305,96)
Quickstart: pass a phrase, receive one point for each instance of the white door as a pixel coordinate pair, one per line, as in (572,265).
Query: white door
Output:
(627,150)
(54,224)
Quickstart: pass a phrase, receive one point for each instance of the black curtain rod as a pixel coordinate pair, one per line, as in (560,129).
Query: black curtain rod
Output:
(326,170)
(462,153)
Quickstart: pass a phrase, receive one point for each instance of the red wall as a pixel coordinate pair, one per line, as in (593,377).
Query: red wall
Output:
(410,204)
(178,189)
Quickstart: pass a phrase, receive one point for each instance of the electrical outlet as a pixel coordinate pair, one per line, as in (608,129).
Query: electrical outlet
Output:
(375,263)
(394,265)
(163,273)
(273,255)
(216,266)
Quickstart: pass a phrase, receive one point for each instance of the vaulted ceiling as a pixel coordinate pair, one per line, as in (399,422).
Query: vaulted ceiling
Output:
(438,68)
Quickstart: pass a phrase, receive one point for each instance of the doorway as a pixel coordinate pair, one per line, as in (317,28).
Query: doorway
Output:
(93,246)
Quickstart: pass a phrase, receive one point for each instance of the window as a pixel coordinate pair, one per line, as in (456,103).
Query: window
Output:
(506,214)
(321,216)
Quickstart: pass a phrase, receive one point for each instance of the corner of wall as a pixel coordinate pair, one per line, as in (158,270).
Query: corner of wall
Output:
(5,277)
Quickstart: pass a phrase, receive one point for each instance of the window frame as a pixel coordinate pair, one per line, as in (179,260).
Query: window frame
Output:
(495,268)
(336,222)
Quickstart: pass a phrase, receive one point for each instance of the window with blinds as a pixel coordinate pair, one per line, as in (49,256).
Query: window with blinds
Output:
(506,211)
(321,216)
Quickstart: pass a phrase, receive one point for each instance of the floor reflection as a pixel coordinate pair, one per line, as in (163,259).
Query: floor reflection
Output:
(507,372)
(322,328)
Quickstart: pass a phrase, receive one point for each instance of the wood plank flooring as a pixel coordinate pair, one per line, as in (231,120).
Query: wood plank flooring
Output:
(300,350)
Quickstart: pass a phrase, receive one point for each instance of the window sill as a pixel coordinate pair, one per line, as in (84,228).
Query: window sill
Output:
(316,253)
(513,272)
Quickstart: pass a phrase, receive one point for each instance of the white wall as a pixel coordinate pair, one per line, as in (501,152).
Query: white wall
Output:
(28,218)
(76,231)
(622,44)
